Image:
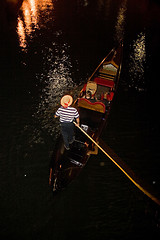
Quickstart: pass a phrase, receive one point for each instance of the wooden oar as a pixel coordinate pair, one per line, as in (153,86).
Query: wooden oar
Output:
(123,167)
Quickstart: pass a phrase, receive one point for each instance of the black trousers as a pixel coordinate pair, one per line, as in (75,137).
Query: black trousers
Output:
(67,130)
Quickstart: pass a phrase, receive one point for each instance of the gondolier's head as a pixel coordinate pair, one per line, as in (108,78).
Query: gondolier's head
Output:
(66,101)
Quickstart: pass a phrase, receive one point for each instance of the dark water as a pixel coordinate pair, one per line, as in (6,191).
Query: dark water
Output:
(49,48)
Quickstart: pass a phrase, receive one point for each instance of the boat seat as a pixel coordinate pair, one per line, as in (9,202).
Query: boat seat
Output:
(108,71)
(95,106)
(106,76)
(104,82)
(110,67)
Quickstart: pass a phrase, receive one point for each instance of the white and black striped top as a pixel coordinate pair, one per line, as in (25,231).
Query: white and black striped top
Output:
(67,114)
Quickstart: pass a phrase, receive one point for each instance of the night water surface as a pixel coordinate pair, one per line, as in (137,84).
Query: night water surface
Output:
(49,48)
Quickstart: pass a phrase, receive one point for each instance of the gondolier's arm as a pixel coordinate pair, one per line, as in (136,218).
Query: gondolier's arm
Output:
(77,120)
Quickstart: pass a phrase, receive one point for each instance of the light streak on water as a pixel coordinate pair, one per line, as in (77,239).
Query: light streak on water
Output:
(120,24)
(137,62)
(29,19)
(56,81)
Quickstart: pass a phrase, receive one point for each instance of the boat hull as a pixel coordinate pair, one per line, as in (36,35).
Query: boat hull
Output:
(67,164)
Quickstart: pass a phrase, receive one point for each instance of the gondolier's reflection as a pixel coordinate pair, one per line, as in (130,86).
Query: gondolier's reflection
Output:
(67,115)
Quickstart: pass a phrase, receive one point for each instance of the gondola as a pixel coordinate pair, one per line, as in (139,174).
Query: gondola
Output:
(93,104)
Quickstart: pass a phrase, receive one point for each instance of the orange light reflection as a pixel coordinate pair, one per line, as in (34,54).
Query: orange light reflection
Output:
(29,20)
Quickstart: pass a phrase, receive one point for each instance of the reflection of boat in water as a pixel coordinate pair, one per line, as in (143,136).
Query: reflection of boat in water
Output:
(93,104)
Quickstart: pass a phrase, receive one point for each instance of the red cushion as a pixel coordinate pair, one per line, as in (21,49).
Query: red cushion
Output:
(104,82)
(110,96)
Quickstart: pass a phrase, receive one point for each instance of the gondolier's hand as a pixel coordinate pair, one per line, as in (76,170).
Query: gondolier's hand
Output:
(76,124)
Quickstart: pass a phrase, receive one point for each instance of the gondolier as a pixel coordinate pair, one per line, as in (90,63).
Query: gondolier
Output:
(67,115)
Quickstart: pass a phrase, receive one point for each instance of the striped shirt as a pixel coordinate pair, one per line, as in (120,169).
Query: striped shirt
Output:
(67,114)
